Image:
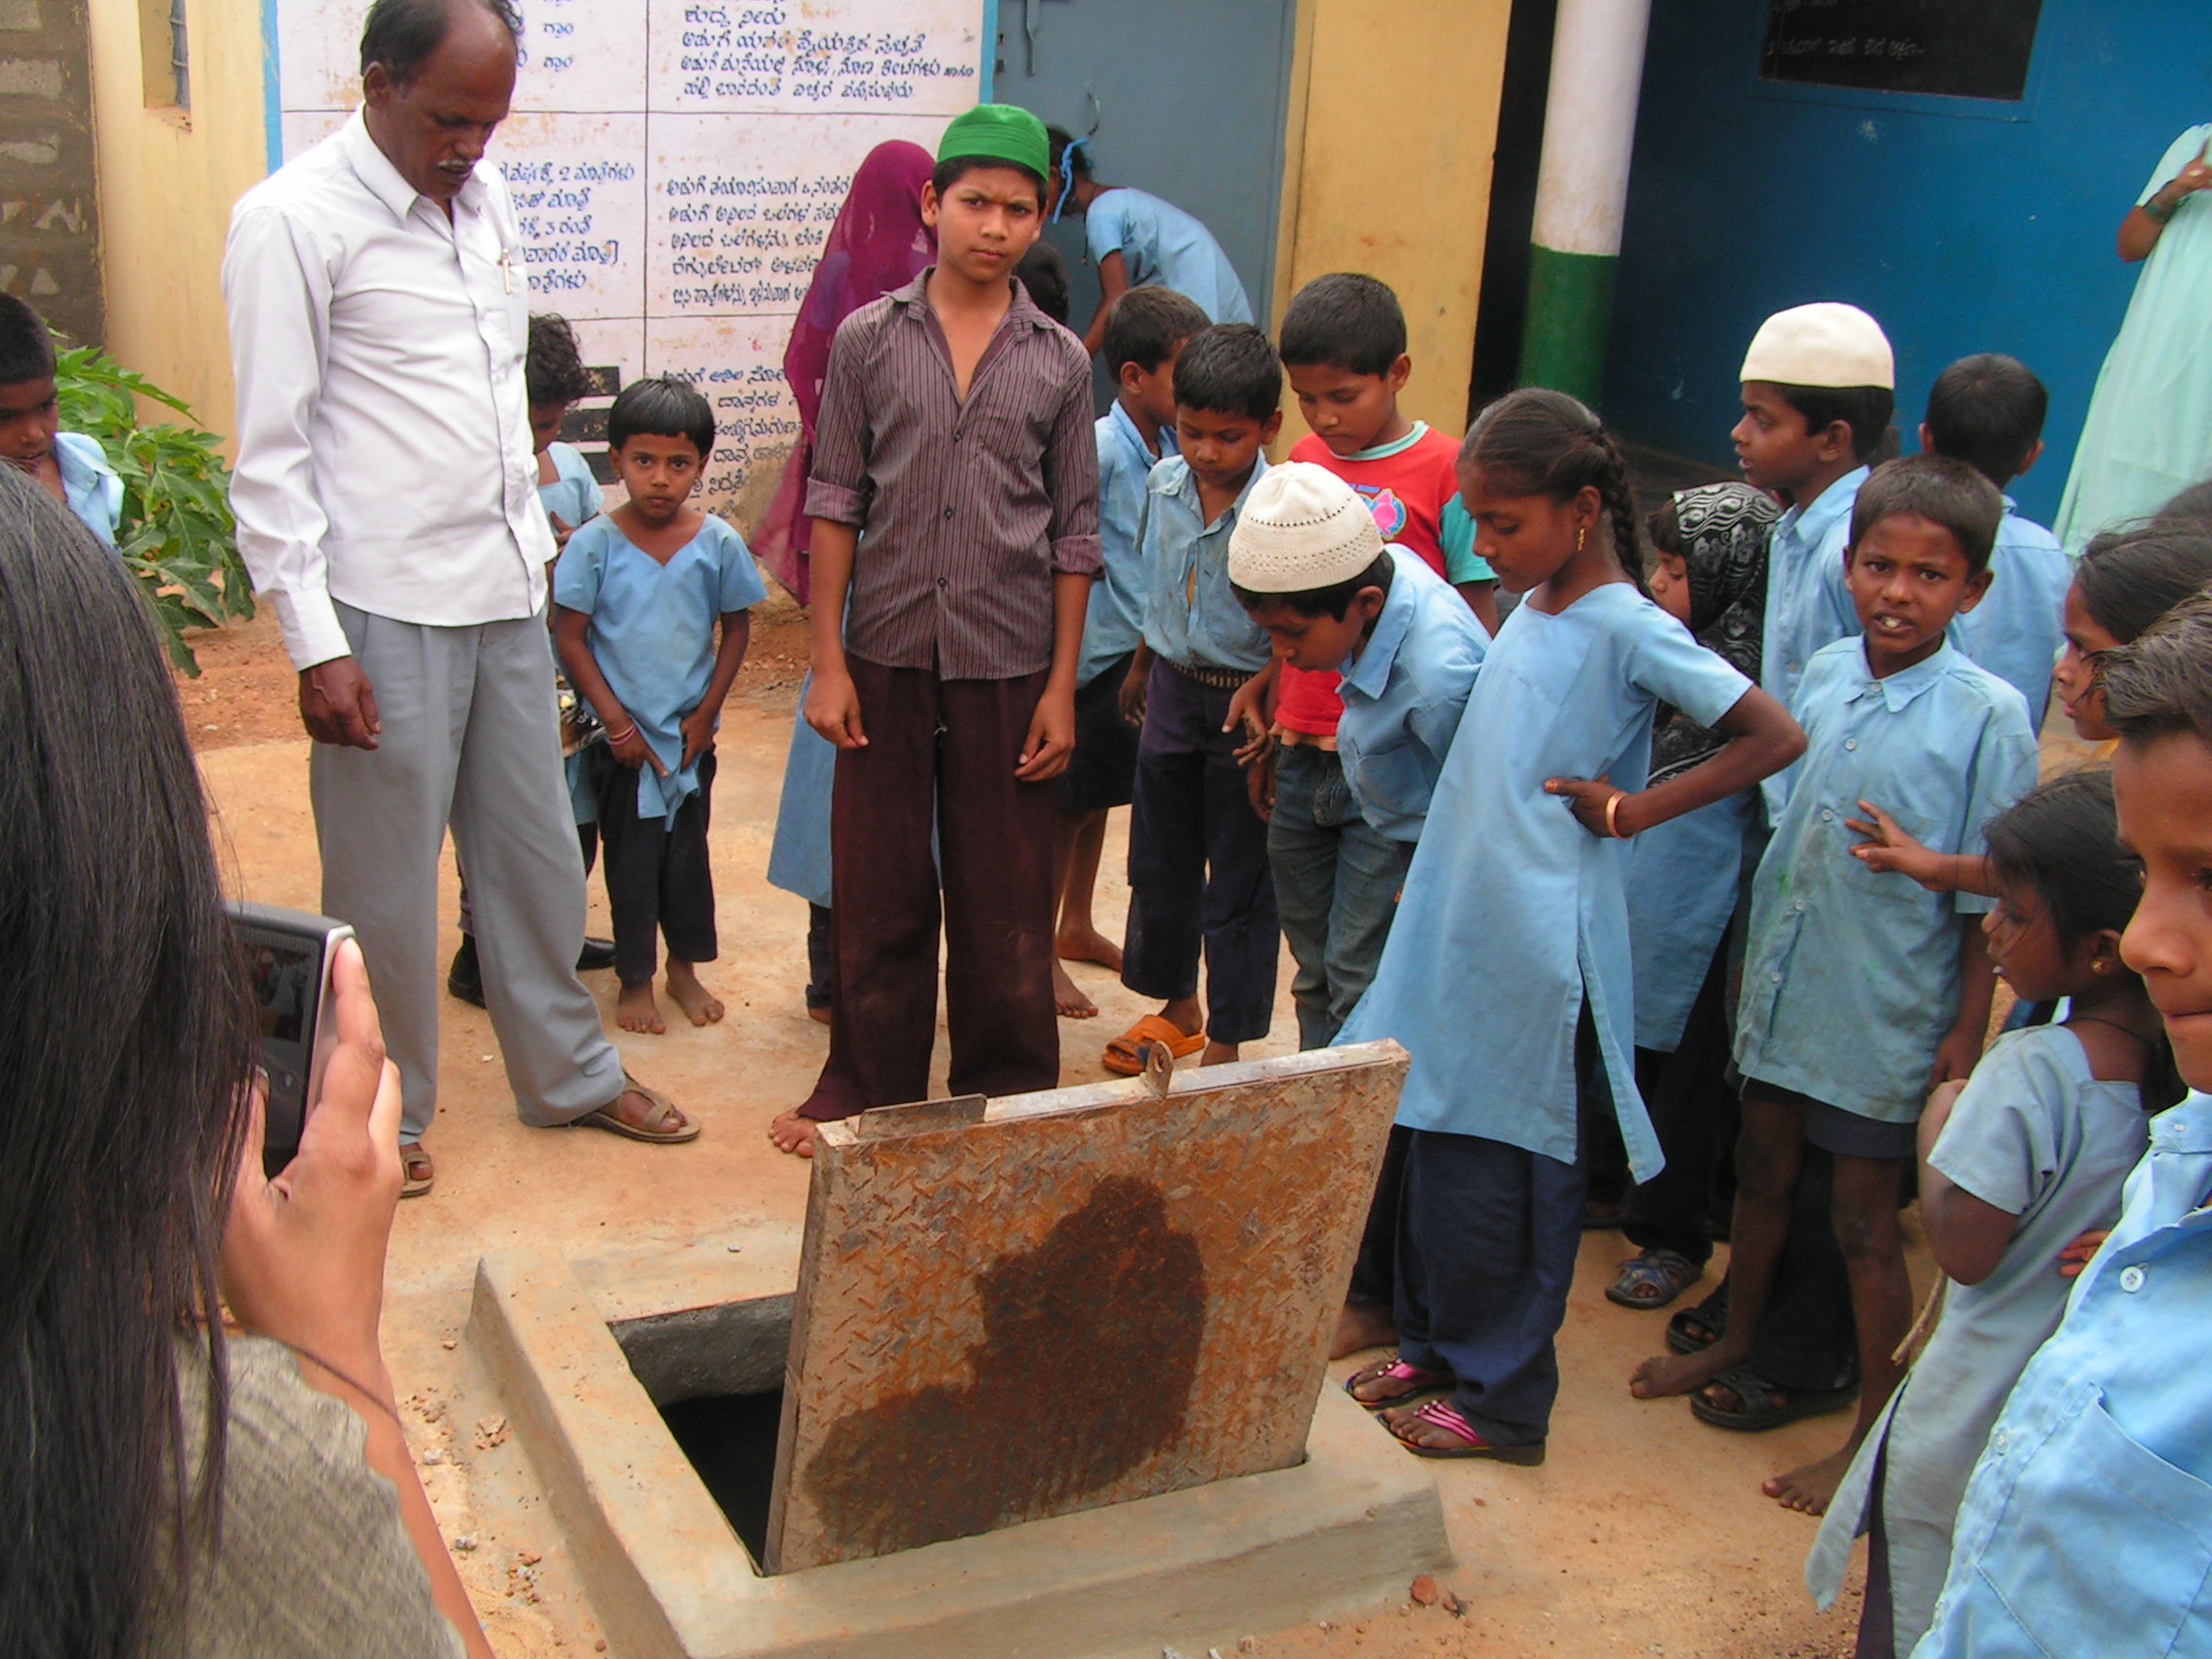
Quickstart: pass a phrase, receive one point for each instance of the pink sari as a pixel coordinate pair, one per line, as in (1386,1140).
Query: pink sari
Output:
(878,243)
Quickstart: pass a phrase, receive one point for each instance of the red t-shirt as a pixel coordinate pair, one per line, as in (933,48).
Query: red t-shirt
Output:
(1406,488)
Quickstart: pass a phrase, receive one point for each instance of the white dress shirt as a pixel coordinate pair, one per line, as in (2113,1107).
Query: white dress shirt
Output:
(384,454)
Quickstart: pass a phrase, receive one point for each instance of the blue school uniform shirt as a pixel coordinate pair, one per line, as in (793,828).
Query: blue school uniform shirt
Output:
(1851,979)
(573,496)
(2037,1136)
(1512,912)
(652,632)
(2087,1526)
(1191,616)
(1113,623)
(93,492)
(1404,695)
(2017,630)
(1807,604)
(1160,244)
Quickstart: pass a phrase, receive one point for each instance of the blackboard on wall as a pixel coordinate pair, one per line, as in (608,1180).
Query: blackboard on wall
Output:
(1953,50)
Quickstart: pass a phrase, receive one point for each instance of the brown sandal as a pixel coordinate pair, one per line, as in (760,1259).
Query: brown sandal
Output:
(417,1173)
(656,1126)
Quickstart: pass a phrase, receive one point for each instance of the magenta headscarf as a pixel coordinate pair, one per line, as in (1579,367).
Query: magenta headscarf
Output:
(878,245)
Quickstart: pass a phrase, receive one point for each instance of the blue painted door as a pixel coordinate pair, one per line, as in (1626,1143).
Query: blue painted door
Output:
(1183,97)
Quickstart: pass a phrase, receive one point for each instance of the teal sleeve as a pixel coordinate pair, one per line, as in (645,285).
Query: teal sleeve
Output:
(1456,530)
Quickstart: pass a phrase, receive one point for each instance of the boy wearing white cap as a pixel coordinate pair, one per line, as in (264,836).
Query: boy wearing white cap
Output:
(1308,565)
(1820,386)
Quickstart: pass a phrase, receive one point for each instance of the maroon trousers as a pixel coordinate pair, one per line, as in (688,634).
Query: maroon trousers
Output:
(940,753)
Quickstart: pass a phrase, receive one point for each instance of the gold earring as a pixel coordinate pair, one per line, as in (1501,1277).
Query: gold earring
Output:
(1579,534)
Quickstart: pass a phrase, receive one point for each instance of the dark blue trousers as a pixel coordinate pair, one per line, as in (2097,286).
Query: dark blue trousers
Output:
(1199,875)
(1487,1239)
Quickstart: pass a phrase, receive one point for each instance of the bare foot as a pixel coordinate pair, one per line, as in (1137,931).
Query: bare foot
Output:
(1362,1325)
(635,1011)
(700,1005)
(1218,1053)
(793,1134)
(1087,944)
(1068,999)
(1680,1372)
(1809,1490)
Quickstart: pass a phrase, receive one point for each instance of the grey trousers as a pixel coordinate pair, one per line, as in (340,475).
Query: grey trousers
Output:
(470,738)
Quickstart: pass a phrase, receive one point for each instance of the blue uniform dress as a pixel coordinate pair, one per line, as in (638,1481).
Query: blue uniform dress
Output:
(2017,630)
(1507,976)
(2087,1526)
(573,496)
(1807,604)
(652,632)
(2037,1136)
(1160,244)
(93,492)
(1851,979)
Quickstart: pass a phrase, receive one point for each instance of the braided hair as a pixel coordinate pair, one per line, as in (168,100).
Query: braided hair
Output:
(1537,442)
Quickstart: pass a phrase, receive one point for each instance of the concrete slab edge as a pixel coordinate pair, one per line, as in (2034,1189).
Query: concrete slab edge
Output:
(1347,1528)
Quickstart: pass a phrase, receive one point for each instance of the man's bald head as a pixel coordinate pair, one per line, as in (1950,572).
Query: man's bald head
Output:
(401,35)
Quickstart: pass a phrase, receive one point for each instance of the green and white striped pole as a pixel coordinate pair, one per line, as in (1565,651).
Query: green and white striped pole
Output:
(1582,192)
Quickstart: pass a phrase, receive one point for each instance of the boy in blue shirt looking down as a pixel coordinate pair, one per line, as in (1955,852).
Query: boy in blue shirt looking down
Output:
(1308,565)
(1819,390)
(1144,337)
(1861,992)
(2087,1526)
(641,591)
(69,466)
(1198,879)
(1987,411)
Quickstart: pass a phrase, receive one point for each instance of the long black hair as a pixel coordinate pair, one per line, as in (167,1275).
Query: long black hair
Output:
(127,1044)
(2131,577)
(1546,443)
(2061,841)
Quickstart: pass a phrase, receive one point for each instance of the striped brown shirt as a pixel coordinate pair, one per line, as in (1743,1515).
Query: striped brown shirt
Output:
(966,511)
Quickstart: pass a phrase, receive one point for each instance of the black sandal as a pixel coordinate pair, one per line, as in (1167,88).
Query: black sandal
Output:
(1756,1407)
(1695,1329)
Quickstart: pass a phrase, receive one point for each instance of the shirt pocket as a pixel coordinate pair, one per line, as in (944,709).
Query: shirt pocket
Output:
(2099,1536)
(1391,780)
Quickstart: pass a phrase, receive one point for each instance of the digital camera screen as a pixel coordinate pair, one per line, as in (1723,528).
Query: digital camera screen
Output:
(281,992)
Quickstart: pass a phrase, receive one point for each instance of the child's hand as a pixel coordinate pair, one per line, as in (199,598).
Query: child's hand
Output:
(1050,743)
(1260,781)
(1589,798)
(628,745)
(562,529)
(833,708)
(1248,708)
(1131,699)
(1955,1058)
(2076,1256)
(1888,848)
(698,732)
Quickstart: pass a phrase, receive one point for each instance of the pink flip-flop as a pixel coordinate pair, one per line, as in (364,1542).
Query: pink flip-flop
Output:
(1441,1413)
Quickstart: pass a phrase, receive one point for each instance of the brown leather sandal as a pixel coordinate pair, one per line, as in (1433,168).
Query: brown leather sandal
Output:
(664,1124)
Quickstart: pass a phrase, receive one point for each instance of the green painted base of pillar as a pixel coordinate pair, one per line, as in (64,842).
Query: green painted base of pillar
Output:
(1562,337)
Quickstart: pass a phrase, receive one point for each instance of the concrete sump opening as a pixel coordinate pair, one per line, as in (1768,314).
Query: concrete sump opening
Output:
(655,1436)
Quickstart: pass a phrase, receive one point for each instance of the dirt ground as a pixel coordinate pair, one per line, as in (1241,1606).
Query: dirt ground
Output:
(1644,1533)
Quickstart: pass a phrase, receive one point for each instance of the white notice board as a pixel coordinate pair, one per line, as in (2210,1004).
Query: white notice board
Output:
(676,165)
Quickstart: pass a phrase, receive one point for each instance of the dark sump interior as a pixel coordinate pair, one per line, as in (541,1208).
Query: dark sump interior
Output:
(730,1440)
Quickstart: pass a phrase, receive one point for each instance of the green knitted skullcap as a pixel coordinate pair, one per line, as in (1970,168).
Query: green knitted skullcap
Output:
(997,133)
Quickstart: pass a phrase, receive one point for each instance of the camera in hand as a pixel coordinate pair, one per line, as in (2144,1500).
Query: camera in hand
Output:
(288,956)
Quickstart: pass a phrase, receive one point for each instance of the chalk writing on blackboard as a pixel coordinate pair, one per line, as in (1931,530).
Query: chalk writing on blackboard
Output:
(1902,46)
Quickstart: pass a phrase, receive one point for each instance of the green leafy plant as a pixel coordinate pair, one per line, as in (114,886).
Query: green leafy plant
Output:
(176,535)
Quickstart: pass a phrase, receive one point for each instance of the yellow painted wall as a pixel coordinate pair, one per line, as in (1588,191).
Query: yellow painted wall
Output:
(167,184)
(1393,116)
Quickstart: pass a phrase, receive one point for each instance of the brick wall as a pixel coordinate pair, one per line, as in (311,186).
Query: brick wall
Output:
(48,207)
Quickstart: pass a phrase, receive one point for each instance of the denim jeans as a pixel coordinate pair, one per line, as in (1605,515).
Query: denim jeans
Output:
(1336,883)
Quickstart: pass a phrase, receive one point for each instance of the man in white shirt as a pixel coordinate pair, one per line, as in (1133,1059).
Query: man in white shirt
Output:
(386,501)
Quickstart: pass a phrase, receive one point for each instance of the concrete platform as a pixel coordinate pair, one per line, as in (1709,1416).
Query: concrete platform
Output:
(1189,1570)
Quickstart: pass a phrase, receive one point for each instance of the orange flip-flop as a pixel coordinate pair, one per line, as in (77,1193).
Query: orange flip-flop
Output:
(1124,1054)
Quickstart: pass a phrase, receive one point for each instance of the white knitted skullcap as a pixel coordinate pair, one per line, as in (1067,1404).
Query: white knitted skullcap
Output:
(1821,345)
(1302,528)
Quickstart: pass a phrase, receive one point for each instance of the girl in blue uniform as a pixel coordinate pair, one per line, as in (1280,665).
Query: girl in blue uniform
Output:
(1507,974)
